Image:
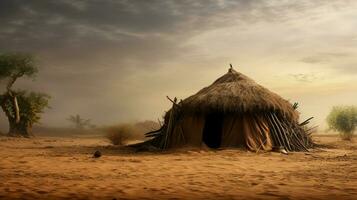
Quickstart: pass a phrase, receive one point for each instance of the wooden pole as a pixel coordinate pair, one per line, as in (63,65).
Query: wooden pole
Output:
(280,135)
(283,132)
(274,132)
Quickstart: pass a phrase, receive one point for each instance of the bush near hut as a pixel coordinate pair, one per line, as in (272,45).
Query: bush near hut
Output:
(120,134)
(344,120)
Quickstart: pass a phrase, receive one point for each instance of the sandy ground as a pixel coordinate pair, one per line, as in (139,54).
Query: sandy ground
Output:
(63,168)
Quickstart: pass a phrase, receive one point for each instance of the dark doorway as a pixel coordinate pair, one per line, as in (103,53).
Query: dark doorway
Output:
(212,131)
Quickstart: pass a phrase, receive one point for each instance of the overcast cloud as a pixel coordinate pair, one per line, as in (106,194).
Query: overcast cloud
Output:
(115,61)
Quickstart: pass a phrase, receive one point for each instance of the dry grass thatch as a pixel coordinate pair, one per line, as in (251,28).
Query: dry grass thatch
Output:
(234,94)
(237,93)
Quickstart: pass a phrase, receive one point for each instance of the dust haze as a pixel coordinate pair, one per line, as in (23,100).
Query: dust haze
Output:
(115,61)
(114,67)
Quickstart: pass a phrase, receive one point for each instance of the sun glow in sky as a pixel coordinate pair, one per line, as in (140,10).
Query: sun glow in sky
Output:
(116,61)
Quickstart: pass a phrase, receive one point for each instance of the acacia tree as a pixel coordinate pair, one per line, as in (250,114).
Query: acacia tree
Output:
(22,108)
(79,122)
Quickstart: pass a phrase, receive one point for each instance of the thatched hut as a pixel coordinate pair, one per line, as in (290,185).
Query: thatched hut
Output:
(234,111)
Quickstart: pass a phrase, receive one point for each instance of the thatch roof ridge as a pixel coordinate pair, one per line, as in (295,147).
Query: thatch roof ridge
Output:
(235,92)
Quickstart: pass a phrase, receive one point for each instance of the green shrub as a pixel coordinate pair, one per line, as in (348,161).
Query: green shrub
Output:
(344,120)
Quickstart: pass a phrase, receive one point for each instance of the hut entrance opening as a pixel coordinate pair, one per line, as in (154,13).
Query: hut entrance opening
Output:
(212,131)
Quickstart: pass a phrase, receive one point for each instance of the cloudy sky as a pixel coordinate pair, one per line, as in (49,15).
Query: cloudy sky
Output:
(116,60)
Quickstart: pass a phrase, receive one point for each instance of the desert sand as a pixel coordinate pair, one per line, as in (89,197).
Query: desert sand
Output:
(63,168)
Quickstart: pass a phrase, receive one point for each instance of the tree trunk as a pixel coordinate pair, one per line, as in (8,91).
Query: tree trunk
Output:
(17,110)
(20,129)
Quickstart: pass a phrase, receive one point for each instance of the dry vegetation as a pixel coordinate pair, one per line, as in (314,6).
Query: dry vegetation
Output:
(120,134)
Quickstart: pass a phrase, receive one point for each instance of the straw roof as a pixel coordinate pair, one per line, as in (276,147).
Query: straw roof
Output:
(236,93)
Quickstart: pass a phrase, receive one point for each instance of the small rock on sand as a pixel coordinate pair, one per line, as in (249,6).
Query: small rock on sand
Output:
(97,154)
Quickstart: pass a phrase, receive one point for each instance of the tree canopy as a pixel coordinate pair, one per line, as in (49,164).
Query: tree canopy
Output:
(16,65)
